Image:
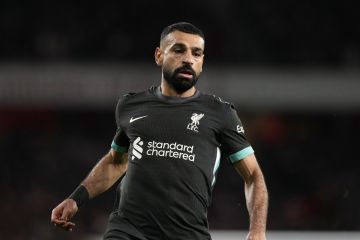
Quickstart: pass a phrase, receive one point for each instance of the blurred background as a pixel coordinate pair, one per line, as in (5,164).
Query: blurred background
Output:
(290,67)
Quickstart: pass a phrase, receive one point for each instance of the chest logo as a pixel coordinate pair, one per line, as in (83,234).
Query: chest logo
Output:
(137,149)
(195,122)
(134,119)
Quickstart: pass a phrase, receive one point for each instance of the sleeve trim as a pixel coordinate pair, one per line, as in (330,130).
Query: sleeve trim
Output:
(118,148)
(241,154)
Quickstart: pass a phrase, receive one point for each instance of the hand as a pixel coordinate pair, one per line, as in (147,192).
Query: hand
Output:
(256,236)
(62,214)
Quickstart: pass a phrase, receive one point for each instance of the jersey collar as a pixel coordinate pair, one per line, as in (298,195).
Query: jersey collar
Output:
(157,92)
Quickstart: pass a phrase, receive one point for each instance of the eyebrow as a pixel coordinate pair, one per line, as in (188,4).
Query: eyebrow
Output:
(183,45)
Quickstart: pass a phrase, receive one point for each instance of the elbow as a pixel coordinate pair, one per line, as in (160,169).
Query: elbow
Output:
(254,176)
(256,182)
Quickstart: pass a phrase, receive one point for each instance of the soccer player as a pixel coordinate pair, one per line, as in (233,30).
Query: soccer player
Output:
(169,142)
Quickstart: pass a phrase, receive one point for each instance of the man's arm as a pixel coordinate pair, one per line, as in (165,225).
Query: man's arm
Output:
(105,173)
(256,196)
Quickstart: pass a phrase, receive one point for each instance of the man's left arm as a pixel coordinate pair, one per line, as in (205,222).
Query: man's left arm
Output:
(256,196)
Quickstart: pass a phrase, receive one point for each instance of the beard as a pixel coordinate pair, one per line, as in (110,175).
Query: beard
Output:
(178,83)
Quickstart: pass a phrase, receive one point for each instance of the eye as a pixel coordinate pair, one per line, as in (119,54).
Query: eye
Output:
(177,50)
(197,54)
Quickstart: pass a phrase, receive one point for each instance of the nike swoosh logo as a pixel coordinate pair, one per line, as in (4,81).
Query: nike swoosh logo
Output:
(134,119)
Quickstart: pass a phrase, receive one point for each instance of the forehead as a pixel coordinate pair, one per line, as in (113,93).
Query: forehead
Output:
(187,39)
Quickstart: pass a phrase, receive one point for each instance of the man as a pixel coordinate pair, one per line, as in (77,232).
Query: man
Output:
(169,142)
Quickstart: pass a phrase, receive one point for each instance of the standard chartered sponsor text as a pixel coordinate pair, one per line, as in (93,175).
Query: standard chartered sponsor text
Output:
(172,150)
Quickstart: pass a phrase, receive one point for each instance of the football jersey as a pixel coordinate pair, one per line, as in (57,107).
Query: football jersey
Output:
(174,146)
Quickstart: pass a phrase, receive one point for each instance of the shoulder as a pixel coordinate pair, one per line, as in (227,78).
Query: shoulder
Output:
(218,103)
(125,100)
(127,96)
(131,96)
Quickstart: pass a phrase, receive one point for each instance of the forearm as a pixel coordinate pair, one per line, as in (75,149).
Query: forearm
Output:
(105,173)
(257,202)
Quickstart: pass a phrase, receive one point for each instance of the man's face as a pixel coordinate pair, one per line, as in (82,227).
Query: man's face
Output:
(181,57)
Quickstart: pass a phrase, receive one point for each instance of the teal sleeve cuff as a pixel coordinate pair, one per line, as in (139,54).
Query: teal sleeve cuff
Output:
(118,148)
(241,154)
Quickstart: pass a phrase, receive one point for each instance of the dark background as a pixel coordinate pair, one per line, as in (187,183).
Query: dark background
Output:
(247,32)
(308,157)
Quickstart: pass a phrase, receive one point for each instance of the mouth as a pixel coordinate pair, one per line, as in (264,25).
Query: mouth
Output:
(186,74)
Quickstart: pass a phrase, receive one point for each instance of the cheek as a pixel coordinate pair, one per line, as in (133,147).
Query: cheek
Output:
(198,68)
(167,67)
(169,63)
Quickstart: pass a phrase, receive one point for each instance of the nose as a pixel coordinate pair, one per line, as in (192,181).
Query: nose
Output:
(188,58)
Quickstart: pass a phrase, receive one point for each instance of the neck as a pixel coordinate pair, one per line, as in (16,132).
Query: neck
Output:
(168,90)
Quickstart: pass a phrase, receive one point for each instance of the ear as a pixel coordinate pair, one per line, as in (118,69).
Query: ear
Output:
(158,56)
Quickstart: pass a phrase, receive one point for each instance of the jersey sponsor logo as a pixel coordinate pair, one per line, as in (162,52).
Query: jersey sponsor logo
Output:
(137,149)
(240,129)
(162,149)
(135,119)
(172,150)
(194,125)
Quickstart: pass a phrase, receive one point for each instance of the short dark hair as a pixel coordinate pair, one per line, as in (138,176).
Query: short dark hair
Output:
(182,27)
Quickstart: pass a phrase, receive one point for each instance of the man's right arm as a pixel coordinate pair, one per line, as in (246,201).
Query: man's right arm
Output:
(105,173)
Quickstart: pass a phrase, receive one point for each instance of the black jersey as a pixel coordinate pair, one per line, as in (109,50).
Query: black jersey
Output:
(174,145)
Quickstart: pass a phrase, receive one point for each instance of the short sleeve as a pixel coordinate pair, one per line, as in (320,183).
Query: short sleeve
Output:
(120,142)
(232,137)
